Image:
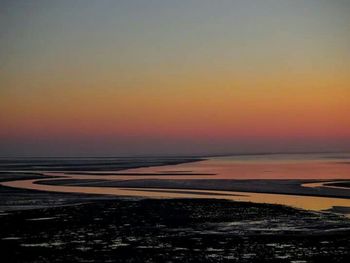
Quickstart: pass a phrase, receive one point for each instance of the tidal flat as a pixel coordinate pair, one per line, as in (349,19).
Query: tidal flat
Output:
(57,226)
(173,230)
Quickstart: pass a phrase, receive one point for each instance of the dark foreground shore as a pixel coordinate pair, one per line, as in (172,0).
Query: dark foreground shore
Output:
(177,230)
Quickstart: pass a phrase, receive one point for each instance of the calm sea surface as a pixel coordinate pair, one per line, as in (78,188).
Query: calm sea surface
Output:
(278,166)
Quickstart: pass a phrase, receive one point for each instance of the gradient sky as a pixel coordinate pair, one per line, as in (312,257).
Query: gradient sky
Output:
(176,77)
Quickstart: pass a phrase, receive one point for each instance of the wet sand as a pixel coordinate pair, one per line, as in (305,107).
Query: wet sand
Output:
(296,193)
(178,230)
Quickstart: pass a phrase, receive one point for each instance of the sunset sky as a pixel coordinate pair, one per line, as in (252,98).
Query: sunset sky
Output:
(97,78)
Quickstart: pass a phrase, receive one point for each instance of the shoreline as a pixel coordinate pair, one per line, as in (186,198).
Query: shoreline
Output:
(129,184)
(291,200)
(104,178)
(56,226)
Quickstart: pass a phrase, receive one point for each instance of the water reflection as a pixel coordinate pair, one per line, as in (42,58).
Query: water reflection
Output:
(304,202)
(272,168)
(277,167)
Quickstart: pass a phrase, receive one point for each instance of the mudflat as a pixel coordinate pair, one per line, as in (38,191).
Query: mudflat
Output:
(177,230)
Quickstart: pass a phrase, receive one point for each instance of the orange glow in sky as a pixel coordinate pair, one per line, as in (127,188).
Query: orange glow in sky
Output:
(270,75)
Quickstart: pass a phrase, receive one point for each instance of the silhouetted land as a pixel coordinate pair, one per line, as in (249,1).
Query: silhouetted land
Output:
(341,184)
(88,164)
(173,231)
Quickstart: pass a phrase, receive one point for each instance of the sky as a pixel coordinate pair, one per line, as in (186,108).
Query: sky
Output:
(135,77)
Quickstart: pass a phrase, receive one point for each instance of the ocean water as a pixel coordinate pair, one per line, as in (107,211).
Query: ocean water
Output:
(269,166)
